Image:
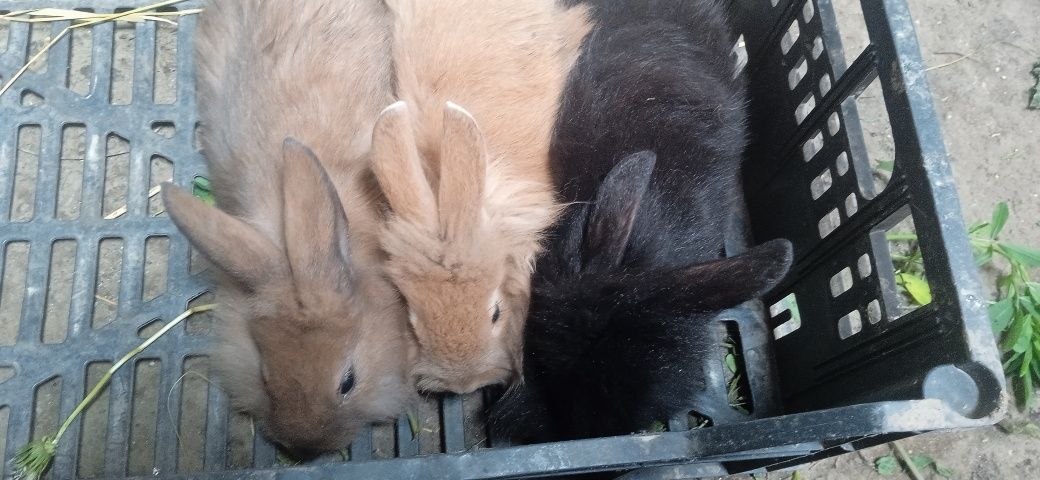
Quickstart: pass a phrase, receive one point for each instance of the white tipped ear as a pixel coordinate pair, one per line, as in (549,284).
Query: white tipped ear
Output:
(398,168)
(315,226)
(463,172)
(230,244)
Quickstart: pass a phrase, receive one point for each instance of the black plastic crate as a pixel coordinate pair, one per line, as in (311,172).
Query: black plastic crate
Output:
(835,362)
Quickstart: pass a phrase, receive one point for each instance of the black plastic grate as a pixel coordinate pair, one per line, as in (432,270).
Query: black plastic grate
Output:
(111,113)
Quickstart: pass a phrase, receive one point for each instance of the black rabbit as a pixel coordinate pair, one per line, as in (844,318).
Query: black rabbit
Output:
(630,283)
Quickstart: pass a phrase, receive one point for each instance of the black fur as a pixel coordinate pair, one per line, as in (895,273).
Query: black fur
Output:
(633,274)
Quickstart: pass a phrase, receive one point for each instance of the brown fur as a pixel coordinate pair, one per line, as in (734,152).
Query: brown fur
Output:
(470,186)
(303,298)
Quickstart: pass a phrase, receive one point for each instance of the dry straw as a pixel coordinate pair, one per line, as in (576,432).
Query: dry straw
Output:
(85,19)
(32,460)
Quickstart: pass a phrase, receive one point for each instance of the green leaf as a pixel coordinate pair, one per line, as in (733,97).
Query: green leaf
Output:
(943,470)
(921,461)
(200,188)
(656,427)
(1019,337)
(413,423)
(887,466)
(1029,257)
(1026,392)
(1000,217)
(1019,428)
(731,362)
(977,227)
(886,165)
(1000,313)
(916,286)
(983,257)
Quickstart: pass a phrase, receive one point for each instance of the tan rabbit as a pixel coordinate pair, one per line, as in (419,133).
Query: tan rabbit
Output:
(462,159)
(314,341)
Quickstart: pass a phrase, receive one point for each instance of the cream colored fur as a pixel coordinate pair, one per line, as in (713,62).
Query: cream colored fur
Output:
(463,162)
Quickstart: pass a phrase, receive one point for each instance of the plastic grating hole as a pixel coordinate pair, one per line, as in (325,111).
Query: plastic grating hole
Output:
(164,129)
(473,426)
(804,108)
(5,34)
(789,38)
(851,27)
(200,323)
(198,262)
(191,427)
(808,12)
(95,421)
(825,84)
(817,48)
(874,311)
(841,282)
(795,76)
(143,420)
(156,266)
(841,164)
(829,222)
(5,413)
(39,35)
(106,293)
(46,402)
(787,311)
(774,2)
(165,87)
(430,438)
(59,291)
(850,324)
(812,146)
(738,387)
(909,276)
(12,290)
(161,171)
(117,168)
(122,92)
(31,98)
(851,205)
(77,77)
(863,266)
(833,124)
(150,328)
(6,373)
(27,161)
(872,157)
(740,56)
(240,441)
(70,181)
(821,184)
(197,137)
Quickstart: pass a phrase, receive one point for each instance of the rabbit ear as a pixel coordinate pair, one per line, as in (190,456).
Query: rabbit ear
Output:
(463,158)
(233,246)
(615,210)
(730,281)
(398,167)
(315,226)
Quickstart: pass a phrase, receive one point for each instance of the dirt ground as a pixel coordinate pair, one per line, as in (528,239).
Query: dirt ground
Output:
(979,54)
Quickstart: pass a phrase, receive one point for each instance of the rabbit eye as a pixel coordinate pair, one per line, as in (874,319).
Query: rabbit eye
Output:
(494,316)
(347,384)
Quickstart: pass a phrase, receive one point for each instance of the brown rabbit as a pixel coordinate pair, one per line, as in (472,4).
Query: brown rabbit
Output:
(469,185)
(314,341)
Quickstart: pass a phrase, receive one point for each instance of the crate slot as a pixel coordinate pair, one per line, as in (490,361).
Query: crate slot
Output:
(241,431)
(789,38)
(144,417)
(59,291)
(12,290)
(80,65)
(191,426)
(165,75)
(106,292)
(161,170)
(740,56)
(46,401)
(852,33)
(795,76)
(850,324)
(95,421)
(164,129)
(817,48)
(786,316)
(874,311)
(829,222)
(39,35)
(122,75)
(906,278)
(70,175)
(805,107)
(812,146)
(117,170)
(841,282)
(821,184)
(27,161)
(200,323)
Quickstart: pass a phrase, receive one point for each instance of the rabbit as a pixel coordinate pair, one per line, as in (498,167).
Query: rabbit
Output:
(647,149)
(314,341)
(612,341)
(462,159)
